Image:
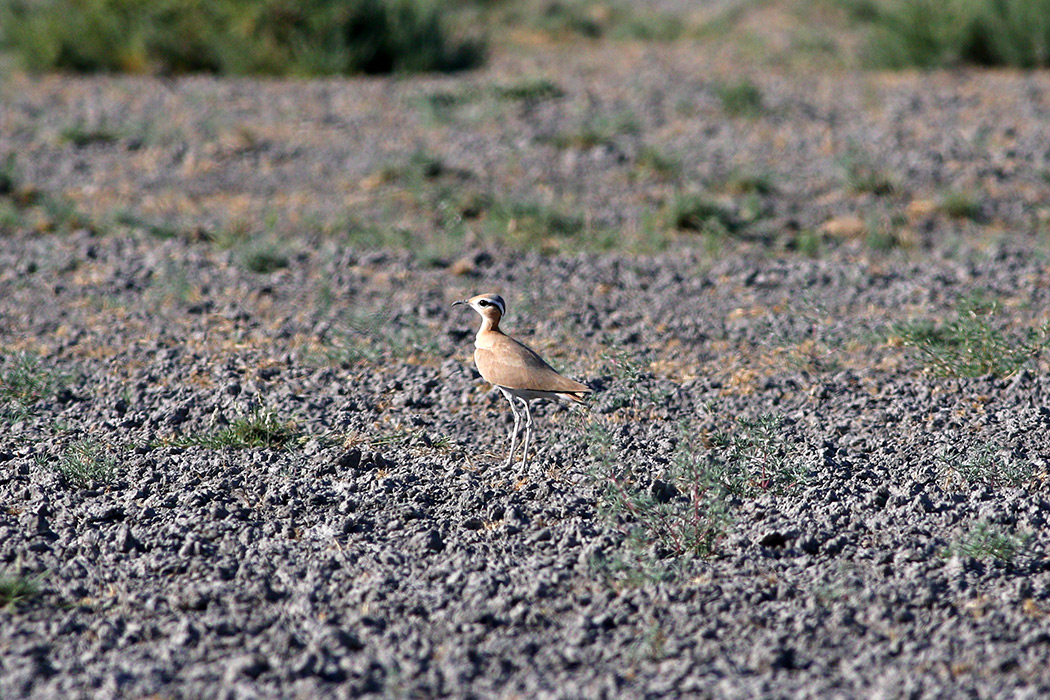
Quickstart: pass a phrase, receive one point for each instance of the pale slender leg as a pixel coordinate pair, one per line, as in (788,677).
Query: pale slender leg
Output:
(514,432)
(528,433)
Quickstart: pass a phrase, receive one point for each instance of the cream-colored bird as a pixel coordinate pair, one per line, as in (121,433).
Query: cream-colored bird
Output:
(516,370)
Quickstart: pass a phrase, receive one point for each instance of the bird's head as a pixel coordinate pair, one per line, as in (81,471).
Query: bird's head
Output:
(490,306)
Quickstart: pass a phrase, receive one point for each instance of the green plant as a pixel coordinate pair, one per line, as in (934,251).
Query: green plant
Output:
(529,90)
(632,384)
(985,541)
(596,130)
(686,510)
(16,588)
(9,179)
(696,212)
(24,380)
(960,205)
(742,98)
(882,234)
(682,514)
(750,182)
(988,465)
(932,33)
(264,258)
(23,206)
(808,242)
(278,37)
(615,20)
(863,175)
(757,456)
(86,461)
(80,134)
(659,162)
(529,224)
(260,428)
(971,344)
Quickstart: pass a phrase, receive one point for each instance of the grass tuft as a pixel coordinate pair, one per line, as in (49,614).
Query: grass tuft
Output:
(264,259)
(863,176)
(81,135)
(24,380)
(86,461)
(972,344)
(696,212)
(529,90)
(659,162)
(260,428)
(742,98)
(985,541)
(960,205)
(17,588)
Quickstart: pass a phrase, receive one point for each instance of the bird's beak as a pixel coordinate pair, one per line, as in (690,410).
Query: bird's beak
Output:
(461,301)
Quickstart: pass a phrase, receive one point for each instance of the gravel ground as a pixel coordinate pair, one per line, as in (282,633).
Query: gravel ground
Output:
(380,549)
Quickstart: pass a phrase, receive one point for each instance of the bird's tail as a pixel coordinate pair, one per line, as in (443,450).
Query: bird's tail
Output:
(574,396)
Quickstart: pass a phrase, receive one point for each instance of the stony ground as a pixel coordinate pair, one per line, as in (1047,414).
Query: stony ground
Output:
(193,267)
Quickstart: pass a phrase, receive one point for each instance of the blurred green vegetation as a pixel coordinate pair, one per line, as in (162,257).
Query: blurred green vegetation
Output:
(231,37)
(937,33)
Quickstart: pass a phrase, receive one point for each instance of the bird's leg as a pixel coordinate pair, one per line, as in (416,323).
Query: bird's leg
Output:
(528,433)
(514,432)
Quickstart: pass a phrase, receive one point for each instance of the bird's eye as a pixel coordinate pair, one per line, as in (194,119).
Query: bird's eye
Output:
(484,303)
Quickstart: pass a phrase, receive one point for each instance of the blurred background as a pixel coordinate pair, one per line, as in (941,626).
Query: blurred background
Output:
(791,126)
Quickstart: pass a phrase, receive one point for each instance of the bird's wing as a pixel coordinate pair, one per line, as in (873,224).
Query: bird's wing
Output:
(506,362)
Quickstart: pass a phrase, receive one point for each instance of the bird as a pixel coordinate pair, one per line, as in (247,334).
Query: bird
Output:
(516,370)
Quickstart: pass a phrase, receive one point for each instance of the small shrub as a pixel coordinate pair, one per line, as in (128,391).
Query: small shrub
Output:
(278,37)
(934,33)
(681,514)
(985,541)
(971,345)
(758,456)
(632,384)
(86,461)
(741,99)
(985,465)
